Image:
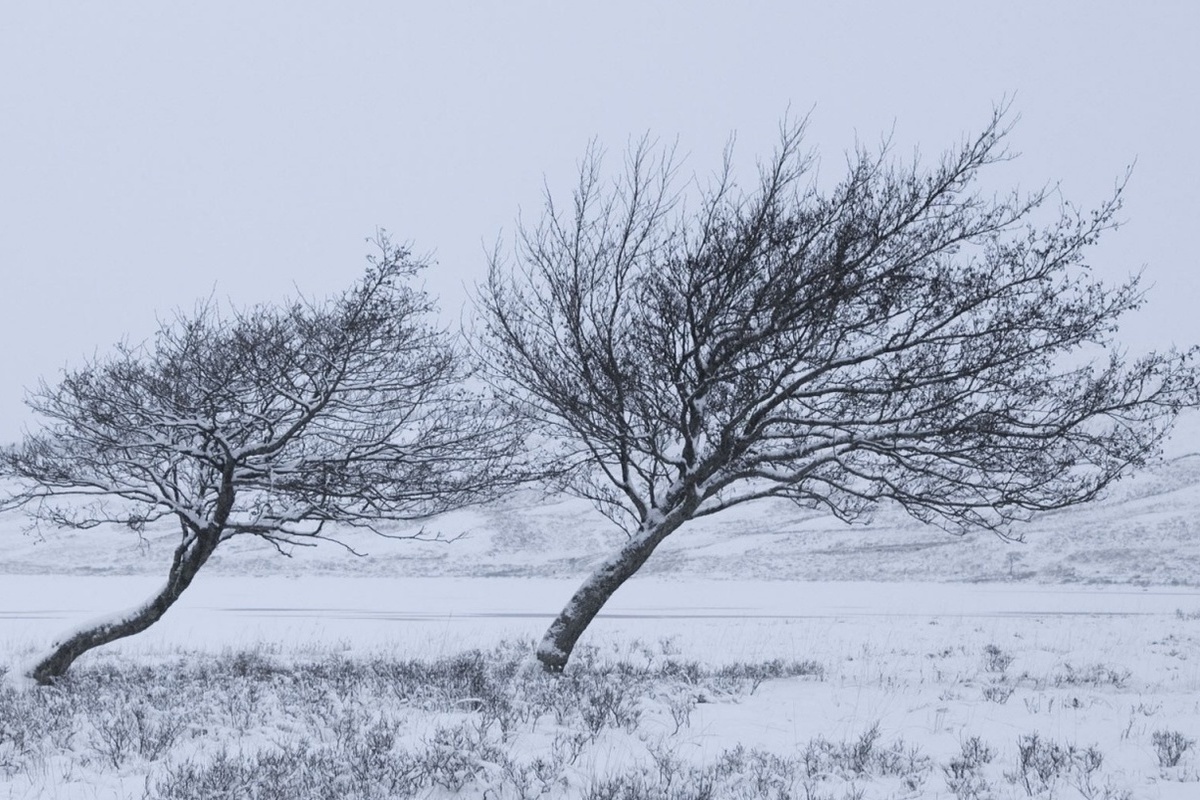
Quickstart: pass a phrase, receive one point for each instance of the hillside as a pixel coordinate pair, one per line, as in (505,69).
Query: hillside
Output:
(1145,531)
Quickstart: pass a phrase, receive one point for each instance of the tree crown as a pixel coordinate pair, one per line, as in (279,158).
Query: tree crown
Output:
(272,421)
(899,337)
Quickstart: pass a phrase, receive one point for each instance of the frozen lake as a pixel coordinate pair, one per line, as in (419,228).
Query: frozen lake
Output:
(429,616)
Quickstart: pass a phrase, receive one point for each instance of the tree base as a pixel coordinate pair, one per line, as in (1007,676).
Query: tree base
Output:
(553,661)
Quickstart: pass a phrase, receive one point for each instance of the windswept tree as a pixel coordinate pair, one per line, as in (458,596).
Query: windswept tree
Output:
(899,337)
(289,423)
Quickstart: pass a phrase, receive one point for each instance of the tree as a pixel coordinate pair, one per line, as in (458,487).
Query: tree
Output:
(286,423)
(900,337)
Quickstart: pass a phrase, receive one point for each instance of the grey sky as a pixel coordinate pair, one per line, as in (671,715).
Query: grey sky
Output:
(154,153)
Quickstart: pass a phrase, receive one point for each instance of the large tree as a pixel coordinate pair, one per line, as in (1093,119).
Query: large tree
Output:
(289,423)
(901,336)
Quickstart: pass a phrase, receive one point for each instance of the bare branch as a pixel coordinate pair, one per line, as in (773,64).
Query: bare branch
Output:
(902,337)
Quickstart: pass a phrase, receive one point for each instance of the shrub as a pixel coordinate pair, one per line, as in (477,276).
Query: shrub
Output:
(995,659)
(1170,746)
(964,773)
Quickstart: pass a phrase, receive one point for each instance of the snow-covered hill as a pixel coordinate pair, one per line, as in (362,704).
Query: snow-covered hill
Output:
(1146,531)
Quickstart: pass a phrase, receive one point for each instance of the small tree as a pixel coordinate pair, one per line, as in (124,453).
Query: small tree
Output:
(276,422)
(900,337)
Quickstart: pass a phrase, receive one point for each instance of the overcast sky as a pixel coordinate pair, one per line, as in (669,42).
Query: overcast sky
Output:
(153,154)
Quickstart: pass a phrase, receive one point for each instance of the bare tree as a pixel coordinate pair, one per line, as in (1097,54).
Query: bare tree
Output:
(286,423)
(901,337)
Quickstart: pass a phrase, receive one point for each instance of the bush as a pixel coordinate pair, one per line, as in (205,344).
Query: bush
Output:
(995,659)
(964,773)
(1042,764)
(1170,746)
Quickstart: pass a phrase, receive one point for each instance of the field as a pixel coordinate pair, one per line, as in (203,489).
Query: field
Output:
(934,666)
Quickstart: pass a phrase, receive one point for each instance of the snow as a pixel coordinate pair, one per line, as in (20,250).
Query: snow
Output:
(1146,532)
(1096,620)
(1102,665)
(362,613)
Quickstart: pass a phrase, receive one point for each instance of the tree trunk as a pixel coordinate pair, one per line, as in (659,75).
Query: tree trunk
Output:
(189,558)
(555,648)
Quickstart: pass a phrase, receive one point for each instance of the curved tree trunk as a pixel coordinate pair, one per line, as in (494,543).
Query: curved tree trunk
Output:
(189,558)
(560,638)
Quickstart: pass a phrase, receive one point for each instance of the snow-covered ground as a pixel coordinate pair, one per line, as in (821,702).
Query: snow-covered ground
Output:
(933,666)
(1087,634)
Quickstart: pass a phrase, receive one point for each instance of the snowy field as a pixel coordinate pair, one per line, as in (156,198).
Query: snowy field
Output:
(894,681)
(735,666)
